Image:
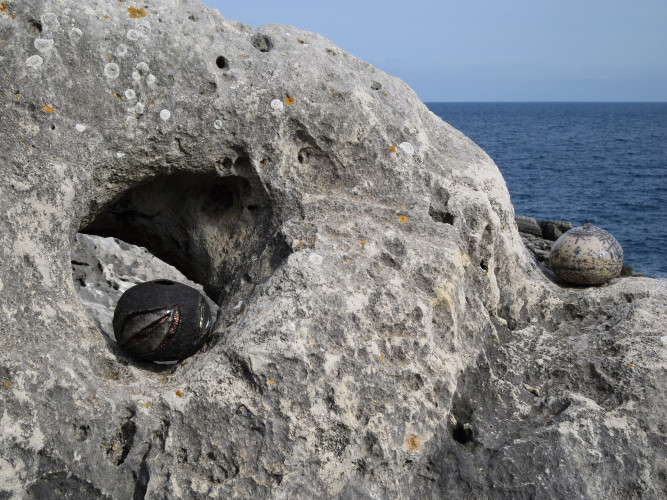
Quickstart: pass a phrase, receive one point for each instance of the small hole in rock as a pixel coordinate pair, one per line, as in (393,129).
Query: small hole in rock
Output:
(484,265)
(462,433)
(376,86)
(441,216)
(36,24)
(52,126)
(191,17)
(261,42)
(221,62)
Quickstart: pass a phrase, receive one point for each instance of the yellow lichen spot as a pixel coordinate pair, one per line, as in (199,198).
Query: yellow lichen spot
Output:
(413,443)
(301,243)
(356,199)
(289,101)
(106,17)
(382,357)
(47,108)
(331,90)
(8,384)
(270,382)
(392,149)
(147,405)
(136,13)
(109,58)
(362,243)
(116,95)
(300,196)
(179,394)
(259,310)
(152,101)
(629,365)
(403,219)
(313,240)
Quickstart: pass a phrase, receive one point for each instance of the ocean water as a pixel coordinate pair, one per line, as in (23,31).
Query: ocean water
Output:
(604,163)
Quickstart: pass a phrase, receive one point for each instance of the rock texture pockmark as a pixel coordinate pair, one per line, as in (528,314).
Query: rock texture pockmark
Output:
(255,160)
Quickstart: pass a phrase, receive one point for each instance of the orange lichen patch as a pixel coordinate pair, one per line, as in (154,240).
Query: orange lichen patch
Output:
(289,101)
(413,443)
(313,240)
(3,6)
(152,101)
(136,13)
(270,382)
(629,365)
(8,384)
(105,17)
(179,394)
(300,196)
(362,243)
(47,108)
(147,405)
(382,357)
(301,243)
(392,149)
(403,218)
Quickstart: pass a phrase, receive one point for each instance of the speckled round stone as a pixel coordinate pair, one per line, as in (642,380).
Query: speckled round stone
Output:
(586,255)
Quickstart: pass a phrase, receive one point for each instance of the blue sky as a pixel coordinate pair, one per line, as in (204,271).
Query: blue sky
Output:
(492,50)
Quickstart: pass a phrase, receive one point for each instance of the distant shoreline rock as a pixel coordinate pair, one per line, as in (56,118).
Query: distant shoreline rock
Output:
(539,235)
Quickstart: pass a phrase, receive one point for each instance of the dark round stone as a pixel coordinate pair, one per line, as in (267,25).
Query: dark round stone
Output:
(161,320)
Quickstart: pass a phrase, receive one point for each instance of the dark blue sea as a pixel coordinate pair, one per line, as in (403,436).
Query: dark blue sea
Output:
(604,163)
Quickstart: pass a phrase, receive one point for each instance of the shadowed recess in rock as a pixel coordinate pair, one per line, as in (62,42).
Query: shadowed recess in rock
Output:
(216,230)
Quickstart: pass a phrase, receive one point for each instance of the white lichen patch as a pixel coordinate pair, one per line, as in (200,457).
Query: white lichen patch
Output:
(150,79)
(50,21)
(165,114)
(34,61)
(407,148)
(75,34)
(121,50)
(277,104)
(80,128)
(43,44)
(217,124)
(130,94)
(136,76)
(111,70)
(143,69)
(315,259)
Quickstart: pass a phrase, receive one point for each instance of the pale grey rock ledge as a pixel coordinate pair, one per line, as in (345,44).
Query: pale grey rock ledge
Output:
(382,333)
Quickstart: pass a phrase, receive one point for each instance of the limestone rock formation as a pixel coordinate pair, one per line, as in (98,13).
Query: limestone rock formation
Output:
(382,331)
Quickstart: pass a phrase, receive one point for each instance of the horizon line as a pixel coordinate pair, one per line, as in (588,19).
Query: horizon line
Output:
(543,102)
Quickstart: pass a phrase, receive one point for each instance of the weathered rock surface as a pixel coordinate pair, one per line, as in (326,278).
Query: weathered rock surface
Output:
(382,333)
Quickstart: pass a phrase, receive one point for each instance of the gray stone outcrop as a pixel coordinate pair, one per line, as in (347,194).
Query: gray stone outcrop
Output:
(382,331)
